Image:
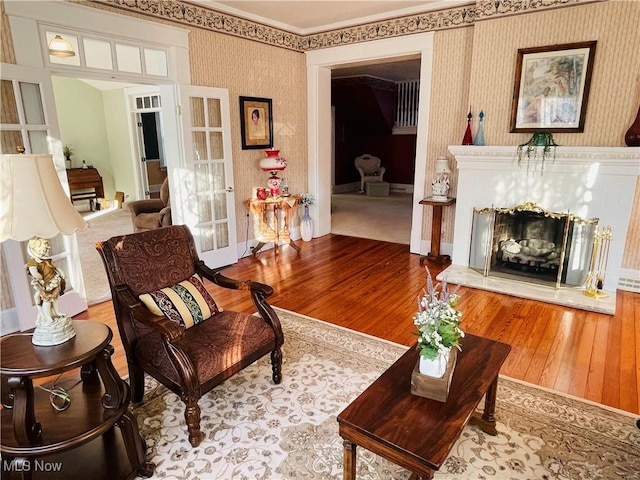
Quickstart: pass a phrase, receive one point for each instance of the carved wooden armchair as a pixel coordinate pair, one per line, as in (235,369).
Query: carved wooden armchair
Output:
(370,169)
(170,326)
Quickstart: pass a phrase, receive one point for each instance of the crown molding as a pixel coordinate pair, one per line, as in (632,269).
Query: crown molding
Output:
(490,9)
(198,16)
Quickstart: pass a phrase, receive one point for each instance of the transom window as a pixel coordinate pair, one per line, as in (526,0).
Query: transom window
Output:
(108,55)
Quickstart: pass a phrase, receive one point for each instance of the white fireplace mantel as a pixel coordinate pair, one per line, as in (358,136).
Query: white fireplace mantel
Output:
(609,160)
(591,182)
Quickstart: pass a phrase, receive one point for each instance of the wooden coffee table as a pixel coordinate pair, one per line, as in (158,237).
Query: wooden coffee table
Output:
(418,433)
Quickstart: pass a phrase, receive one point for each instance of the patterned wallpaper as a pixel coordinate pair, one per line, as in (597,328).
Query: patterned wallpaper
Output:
(632,246)
(608,116)
(474,66)
(212,20)
(6,293)
(449,108)
(261,71)
(6,42)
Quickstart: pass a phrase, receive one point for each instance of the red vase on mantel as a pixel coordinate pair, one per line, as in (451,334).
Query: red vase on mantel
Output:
(632,137)
(468,138)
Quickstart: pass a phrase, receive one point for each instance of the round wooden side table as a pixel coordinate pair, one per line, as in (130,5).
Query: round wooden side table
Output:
(75,440)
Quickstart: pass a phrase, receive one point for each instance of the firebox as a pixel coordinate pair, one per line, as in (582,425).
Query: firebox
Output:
(532,244)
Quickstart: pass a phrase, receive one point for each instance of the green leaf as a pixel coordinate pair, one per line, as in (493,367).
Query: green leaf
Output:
(428,351)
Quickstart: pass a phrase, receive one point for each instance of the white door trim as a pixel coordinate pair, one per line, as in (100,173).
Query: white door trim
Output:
(73,301)
(30,47)
(319,66)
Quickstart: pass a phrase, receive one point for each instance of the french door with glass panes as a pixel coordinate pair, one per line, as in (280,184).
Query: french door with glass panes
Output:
(28,120)
(200,168)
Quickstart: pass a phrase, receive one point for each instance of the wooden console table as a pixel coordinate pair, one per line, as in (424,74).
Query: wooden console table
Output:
(81,180)
(271,220)
(80,440)
(436,229)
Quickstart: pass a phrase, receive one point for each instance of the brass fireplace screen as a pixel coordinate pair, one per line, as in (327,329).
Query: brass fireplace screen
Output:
(529,243)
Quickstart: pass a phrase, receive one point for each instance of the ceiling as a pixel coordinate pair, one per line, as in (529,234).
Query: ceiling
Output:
(304,17)
(394,71)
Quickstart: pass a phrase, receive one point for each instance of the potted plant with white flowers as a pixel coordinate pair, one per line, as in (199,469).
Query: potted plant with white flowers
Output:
(439,334)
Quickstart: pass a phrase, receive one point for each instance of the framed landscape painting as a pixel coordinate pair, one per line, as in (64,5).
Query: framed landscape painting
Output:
(256,123)
(552,87)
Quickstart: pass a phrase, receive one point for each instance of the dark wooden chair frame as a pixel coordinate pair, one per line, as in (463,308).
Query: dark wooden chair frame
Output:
(135,321)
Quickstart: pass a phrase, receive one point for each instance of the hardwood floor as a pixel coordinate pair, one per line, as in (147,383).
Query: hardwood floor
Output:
(371,287)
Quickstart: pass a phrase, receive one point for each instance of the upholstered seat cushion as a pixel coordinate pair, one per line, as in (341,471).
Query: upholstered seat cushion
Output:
(224,340)
(147,221)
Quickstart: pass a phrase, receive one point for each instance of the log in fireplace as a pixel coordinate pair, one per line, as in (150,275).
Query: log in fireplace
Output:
(529,243)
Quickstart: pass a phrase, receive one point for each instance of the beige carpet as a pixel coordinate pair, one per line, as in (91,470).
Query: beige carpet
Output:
(102,226)
(379,218)
(257,430)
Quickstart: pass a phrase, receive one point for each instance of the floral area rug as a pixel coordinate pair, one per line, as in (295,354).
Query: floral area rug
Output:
(257,430)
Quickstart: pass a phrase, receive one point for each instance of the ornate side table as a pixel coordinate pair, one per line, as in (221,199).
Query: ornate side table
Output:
(271,220)
(77,440)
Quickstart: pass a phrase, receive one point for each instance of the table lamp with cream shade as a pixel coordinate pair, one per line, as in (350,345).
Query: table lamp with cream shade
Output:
(35,207)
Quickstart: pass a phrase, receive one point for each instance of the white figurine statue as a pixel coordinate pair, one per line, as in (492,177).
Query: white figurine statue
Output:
(440,188)
(48,281)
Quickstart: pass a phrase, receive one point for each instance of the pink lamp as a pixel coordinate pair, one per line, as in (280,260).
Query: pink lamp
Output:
(273,163)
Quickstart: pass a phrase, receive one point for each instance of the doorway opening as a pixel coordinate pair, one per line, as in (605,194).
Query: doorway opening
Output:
(387,219)
(319,67)
(101,125)
(150,143)
(375,113)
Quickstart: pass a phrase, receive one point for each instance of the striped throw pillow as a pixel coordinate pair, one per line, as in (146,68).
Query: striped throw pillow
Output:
(186,303)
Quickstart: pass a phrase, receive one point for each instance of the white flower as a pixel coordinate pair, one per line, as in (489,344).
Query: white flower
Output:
(306,200)
(437,320)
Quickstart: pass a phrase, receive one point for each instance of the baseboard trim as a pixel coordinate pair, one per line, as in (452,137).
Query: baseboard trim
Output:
(353,187)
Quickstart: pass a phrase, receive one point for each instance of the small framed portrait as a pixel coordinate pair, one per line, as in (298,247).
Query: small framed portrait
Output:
(552,87)
(256,123)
